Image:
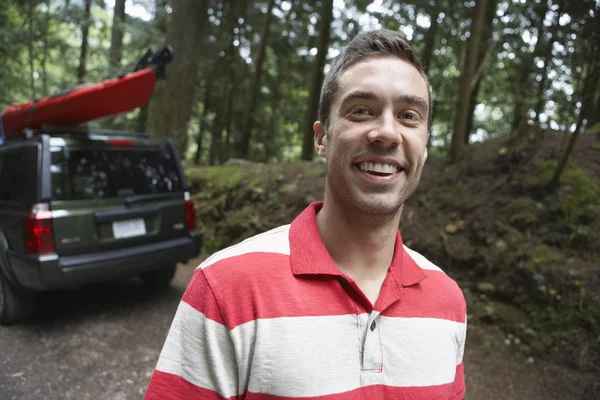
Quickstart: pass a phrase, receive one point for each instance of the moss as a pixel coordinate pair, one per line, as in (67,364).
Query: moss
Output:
(456,196)
(579,197)
(522,212)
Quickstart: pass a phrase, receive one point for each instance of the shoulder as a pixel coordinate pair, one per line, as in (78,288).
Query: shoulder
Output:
(274,241)
(258,259)
(437,279)
(247,277)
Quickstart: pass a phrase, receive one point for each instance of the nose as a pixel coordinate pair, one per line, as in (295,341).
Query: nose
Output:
(387,131)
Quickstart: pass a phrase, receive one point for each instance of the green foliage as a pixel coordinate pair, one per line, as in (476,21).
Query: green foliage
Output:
(238,201)
(522,212)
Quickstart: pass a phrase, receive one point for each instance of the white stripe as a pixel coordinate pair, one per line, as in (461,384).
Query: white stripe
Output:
(200,351)
(300,356)
(274,241)
(314,356)
(420,351)
(421,261)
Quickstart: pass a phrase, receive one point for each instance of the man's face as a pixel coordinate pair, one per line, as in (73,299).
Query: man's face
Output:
(377,140)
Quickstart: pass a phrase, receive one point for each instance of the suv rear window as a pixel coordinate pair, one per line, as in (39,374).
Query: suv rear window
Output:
(17,174)
(98,173)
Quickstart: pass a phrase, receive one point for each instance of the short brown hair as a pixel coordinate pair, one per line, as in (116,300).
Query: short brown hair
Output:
(376,43)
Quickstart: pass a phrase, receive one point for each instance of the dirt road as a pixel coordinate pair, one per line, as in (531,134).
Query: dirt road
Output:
(103,343)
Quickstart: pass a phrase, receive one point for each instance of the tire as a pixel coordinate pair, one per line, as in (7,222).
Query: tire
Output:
(16,304)
(160,278)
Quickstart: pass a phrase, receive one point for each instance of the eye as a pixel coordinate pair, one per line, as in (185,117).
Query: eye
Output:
(359,111)
(410,117)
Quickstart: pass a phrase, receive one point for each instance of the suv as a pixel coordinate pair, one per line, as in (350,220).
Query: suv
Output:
(79,206)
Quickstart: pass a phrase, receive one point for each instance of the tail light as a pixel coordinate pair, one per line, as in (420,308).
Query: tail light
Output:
(38,230)
(190,215)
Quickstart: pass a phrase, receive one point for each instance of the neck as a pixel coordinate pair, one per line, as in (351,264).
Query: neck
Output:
(362,246)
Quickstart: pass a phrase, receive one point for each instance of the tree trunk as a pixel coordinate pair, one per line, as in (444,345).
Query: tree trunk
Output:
(523,83)
(224,154)
(457,146)
(161,15)
(171,106)
(244,145)
(85,30)
(160,20)
(30,48)
(271,148)
(224,67)
(591,85)
(472,105)
(431,34)
(485,51)
(203,121)
(116,39)
(308,142)
(45,53)
(541,103)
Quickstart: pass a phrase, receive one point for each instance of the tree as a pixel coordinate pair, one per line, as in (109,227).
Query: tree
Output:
(116,41)
(435,8)
(487,46)
(244,145)
(466,79)
(85,31)
(171,106)
(308,146)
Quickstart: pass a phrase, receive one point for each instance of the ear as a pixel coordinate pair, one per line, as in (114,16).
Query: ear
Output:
(425,154)
(320,138)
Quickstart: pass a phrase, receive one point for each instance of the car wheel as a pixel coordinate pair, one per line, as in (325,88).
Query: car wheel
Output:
(16,304)
(160,278)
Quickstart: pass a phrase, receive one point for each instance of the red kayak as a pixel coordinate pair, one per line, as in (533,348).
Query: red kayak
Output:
(89,102)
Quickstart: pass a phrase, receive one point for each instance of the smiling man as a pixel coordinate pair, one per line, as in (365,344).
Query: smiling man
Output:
(332,306)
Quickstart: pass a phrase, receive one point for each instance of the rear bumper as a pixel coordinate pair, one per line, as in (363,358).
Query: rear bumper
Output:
(52,272)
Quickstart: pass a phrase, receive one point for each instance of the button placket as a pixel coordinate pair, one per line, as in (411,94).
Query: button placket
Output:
(371,353)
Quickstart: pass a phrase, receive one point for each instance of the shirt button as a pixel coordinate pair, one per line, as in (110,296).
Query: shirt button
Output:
(373,325)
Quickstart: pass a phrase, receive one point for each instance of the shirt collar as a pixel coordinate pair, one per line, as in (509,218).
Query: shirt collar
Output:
(309,256)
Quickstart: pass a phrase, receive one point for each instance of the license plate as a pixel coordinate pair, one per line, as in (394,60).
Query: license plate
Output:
(129,228)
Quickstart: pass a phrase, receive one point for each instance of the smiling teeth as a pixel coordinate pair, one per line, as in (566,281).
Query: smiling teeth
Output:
(379,168)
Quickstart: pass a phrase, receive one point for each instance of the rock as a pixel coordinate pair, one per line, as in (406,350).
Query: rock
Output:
(119,396)
(486,287)
(501,245)
(450,228)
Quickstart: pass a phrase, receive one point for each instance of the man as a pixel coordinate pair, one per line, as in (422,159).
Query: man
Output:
(332,306)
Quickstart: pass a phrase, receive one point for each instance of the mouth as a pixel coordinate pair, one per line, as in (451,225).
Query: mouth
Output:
(379,169)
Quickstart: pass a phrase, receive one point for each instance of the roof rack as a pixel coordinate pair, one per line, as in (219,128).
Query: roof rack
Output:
(79,129)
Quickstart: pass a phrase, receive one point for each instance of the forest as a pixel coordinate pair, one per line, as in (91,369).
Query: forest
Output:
(509,204)
(246,75)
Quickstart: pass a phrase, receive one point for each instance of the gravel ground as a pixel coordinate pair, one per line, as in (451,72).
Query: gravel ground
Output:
(103,343)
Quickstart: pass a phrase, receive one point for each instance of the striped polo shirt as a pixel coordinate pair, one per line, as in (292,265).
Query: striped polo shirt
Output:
(274,318)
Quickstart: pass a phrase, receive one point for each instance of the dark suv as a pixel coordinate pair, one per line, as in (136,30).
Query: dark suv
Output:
(79,207)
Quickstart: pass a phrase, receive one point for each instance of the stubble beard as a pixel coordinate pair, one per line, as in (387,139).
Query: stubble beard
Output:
(382,202)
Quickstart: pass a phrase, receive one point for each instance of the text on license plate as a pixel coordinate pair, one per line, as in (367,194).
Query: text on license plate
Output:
(129,228)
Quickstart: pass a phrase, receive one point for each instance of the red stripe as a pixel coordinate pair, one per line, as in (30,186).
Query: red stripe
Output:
(261,285)
(164,386)
(199,295)
(380,392)
(437,296)
(459,388)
